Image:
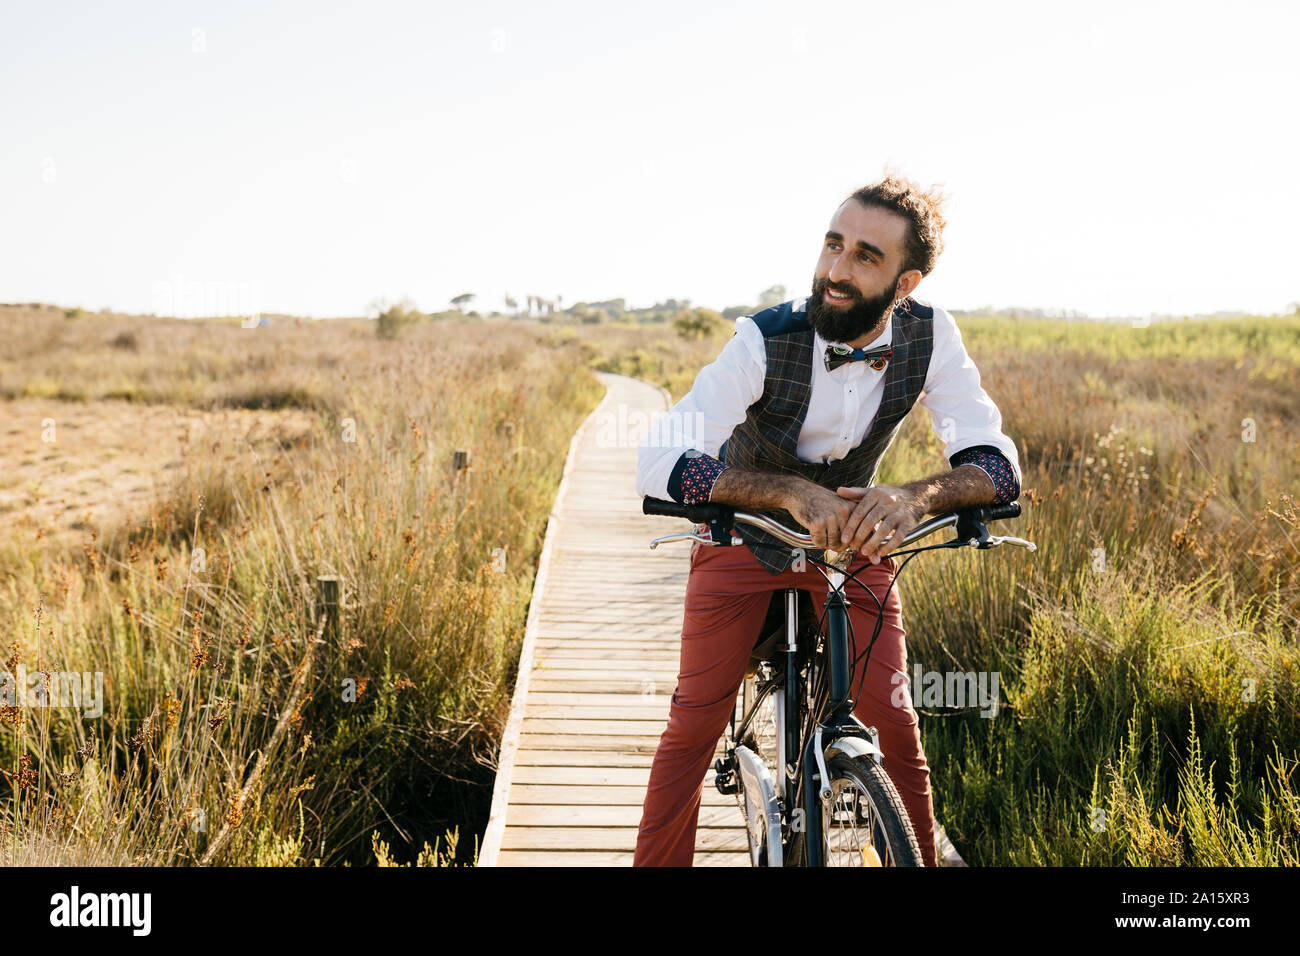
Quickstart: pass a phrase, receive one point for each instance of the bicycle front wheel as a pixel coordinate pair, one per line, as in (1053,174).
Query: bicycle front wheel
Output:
(866,823)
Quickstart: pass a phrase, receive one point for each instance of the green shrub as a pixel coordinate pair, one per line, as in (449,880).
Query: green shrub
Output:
(395,319)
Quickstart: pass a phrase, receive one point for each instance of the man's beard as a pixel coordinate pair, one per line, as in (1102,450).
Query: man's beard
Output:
(845,323)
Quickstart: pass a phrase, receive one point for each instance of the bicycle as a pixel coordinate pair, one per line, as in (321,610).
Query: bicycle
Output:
(851,814)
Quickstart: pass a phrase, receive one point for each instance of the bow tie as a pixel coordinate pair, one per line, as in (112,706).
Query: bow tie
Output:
(837,355)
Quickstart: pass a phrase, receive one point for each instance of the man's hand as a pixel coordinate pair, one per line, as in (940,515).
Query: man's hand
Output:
(855,519)
(821,511)
(881,511)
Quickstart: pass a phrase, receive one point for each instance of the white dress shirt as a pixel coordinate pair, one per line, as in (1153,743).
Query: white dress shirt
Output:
(841,405)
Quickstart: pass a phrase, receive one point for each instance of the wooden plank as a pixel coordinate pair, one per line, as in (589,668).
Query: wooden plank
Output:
(595,622)
(582,758)
(611,596)
(585,628)
(647,634)
(610,838)
(596,575)
(608,665)
(577,698)
(625,743)
(664,644)
(620,679)
(606,858)
(624,653)
(576,712)
(600,796)
(595,728)
(570,816)
(591,776)
(670,644)
(584,683)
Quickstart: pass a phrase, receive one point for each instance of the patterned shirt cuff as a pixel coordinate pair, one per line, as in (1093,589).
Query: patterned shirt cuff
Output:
(994,464)
(693,477)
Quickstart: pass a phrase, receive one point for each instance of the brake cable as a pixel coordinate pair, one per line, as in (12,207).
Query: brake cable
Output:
(880,603)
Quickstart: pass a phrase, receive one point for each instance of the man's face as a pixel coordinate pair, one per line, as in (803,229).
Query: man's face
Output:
(862,258)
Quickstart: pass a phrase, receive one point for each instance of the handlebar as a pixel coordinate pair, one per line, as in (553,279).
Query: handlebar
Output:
(970,524)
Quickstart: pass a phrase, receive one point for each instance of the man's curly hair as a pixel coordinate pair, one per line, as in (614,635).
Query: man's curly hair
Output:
(920,207)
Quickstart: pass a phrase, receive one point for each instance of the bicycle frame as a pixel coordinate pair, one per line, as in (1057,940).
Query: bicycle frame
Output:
(800,759)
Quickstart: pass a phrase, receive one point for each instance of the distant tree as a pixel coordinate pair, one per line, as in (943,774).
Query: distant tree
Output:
(511,304)
(736,311)
(462,300)
(772,295)
(697,323)
(395,318)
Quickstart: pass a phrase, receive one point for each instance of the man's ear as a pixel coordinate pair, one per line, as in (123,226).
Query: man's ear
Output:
(908,281)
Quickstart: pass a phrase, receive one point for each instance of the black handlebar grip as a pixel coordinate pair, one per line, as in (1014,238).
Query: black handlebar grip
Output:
(658,506)
(1009,510)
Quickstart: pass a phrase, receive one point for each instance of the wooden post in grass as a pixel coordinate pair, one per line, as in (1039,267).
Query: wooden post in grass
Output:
(459,466)
(329,590)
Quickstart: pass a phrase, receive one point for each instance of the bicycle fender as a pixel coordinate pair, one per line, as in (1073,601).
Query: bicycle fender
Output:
(761,800)
(854,747)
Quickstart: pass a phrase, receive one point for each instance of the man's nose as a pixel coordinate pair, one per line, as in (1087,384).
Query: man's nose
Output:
(839,273)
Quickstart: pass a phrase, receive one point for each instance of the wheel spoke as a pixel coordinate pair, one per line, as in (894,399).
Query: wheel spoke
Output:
(845,840)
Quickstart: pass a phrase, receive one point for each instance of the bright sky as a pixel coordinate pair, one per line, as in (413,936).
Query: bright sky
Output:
(1116,158)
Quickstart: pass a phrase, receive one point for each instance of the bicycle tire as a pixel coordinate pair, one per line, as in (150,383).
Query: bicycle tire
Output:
(867,777)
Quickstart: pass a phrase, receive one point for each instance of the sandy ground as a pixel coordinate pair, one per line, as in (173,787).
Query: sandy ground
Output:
(69,466)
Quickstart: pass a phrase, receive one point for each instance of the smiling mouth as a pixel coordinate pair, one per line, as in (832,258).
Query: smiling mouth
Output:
(832,296)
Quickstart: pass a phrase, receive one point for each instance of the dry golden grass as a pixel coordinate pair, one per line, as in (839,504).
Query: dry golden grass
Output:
(1158,692)
(229,735)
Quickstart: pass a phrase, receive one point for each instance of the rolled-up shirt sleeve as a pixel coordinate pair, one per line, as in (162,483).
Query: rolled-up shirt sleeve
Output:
(1006,486)
(678,459)
(962,414)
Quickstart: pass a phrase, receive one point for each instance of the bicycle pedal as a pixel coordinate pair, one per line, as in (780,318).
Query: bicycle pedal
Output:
(724,777)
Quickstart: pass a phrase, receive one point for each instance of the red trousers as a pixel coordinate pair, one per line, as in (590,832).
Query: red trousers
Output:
(727,596)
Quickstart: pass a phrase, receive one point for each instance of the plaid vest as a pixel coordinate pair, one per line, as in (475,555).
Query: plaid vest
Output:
(768,437)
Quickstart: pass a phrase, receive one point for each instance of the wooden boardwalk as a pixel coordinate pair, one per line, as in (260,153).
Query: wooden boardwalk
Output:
(598,666)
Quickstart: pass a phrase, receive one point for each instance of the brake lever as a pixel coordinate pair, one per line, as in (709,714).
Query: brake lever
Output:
(683,536)
(1018,542)
(991,541)
(736,540)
